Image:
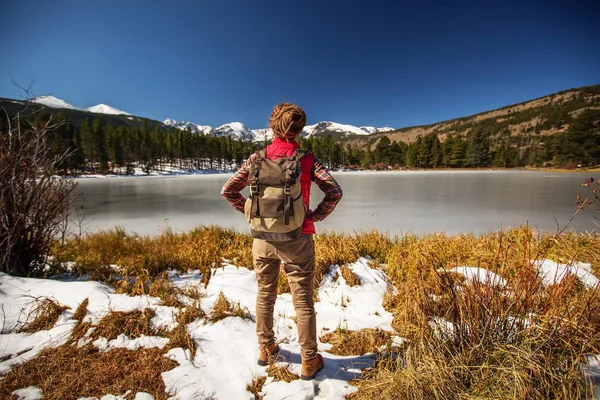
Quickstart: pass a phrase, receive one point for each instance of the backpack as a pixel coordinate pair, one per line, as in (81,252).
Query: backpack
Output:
(274,209)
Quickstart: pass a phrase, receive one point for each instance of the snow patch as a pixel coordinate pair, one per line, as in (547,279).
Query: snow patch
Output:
(553,273)
(123,342)
(30,393)
(480,275)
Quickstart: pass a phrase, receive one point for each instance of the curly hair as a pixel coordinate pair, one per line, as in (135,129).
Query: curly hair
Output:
(287,120)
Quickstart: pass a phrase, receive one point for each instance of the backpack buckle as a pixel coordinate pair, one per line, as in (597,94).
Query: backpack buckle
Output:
(287,190)
(253,189)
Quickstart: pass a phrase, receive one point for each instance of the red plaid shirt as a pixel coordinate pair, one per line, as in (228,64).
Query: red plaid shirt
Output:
(319,174)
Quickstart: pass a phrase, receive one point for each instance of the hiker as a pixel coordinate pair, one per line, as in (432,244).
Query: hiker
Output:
(294,248)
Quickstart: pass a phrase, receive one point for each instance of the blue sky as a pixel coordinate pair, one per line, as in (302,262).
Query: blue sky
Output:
(362,63)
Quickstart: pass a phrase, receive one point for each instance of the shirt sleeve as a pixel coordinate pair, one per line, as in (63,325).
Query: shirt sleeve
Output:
(235,184)
(329,186)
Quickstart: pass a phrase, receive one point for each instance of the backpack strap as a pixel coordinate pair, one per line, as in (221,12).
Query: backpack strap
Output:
(254,181)
(291,174)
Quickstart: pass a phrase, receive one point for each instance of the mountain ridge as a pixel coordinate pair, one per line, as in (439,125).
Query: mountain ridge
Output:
(542,115)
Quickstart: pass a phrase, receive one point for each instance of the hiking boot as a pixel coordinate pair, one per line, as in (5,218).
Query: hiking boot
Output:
(311,367)
(267,353)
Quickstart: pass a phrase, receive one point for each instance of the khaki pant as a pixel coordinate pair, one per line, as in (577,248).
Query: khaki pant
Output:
(298,257)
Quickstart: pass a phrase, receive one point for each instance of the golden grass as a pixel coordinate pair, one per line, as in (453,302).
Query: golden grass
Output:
(223,308)
(256,386)
(190,313)
(81,311)
(158,286)
(133,324)
(283,285)
(347,343)
(201,248)
(281,373)
(522,341)
(69,372)
(349,276)
(180,337)
(43,316)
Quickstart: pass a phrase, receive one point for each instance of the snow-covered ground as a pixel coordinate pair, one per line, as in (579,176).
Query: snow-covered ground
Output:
(225,361)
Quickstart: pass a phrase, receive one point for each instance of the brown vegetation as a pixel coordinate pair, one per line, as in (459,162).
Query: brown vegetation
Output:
(349,343)
(69,372)
(132,324)
(349,276)
(43,316)
(281,373)
(256,387)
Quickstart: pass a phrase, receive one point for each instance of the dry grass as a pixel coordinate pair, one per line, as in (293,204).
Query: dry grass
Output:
(180,337)
(349,276)
(158,286)
(256,387)
(283,285)
(476,340)
(190,313)
(81,311)
(223,308)
(133,324)
(69,372)
(43,316)
(201,248)
(521,341)
(348,343)
(281,373)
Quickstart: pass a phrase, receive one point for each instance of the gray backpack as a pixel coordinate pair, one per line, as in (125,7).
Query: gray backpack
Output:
(275,209)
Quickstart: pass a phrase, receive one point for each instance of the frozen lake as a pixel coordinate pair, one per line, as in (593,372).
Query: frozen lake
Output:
(395,202)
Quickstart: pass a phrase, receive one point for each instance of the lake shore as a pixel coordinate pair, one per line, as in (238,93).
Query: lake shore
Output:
(177,173)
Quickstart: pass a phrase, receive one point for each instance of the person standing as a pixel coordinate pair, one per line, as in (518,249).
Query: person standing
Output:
(298,255)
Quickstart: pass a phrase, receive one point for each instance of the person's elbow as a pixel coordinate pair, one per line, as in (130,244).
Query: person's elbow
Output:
(225,193)
(337,196)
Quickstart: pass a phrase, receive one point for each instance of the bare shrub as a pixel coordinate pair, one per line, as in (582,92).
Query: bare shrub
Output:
(34,202)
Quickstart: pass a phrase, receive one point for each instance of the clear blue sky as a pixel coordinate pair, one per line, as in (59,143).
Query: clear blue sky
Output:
(371,63)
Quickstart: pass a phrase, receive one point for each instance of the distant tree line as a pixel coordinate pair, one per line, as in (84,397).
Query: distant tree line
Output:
(480,147)
(95,147)
(98,148)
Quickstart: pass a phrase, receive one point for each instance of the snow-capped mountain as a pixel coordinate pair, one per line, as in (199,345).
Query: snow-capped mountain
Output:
(236,130)
(51,101)
(348,130)
(184,125)
(54,102)
(260,135)
(372,129)
(106,109)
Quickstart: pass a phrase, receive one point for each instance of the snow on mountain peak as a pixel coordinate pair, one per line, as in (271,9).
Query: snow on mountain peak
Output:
(236,130)
(325,126)
(51,101)
(106,109)
(184,125)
